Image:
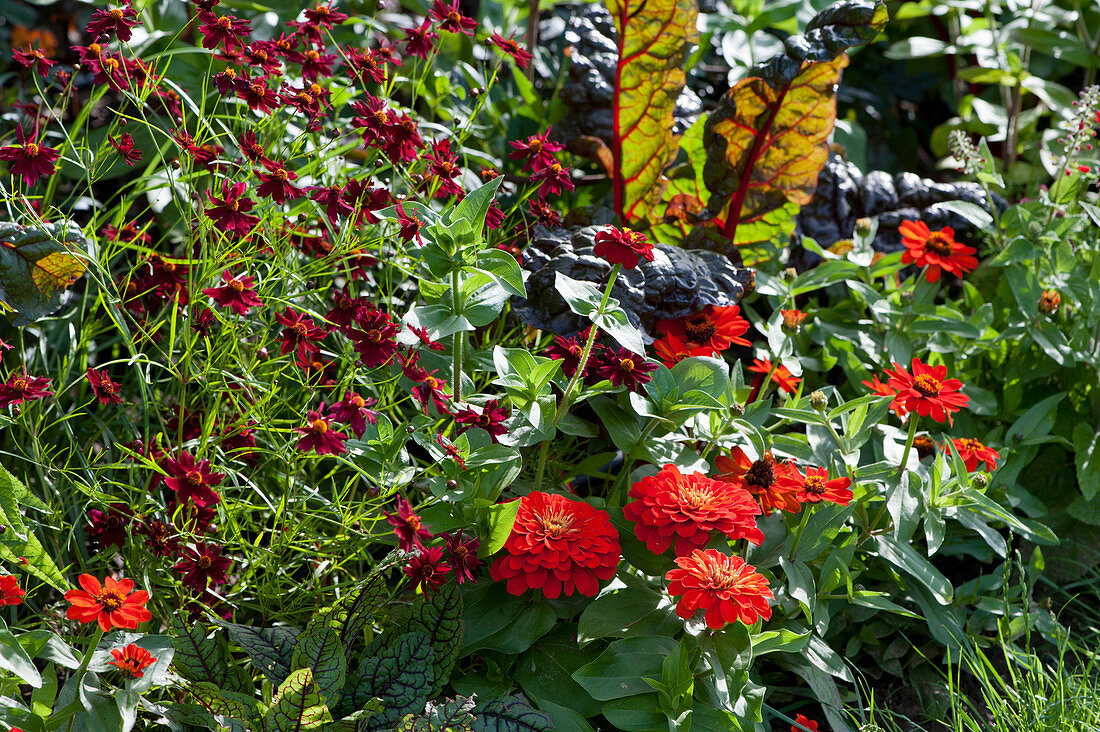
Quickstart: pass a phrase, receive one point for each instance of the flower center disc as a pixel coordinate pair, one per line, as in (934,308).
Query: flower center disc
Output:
(111,600)
(699,328)
(939,244)
(928,386)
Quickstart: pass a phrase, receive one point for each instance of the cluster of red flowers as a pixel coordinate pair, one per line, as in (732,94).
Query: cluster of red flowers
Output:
(429,567)
(618,365)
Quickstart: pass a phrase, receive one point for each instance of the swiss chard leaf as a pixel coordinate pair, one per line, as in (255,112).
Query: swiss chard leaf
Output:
(36,265)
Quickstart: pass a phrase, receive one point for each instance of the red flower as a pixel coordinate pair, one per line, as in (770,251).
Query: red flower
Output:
(332,198)
(815,486)
(10,591)
(569,352)
(452,451)
(301,334)
(408,527)
(544,215)
(760,477)
(715,328)
(125,147)
(202,566)
(490,418)
(353,410)
(276,184)
(672,349)
(118,21)
(453,19)
(513,49)
(191,479)
(624,368)
(104,389)
(537,150)
(374,338)
(926,391)
(427,570)
(787,382)
(803,723)
(973,452)
(32,57)
(222,30)
(792,319)
(428,388)
(425,339)
(877,387)
(132,659)
(111,604)
(725,587)
(319,436)
(203,322)
(237,293)
(29,159)
(687,509)
(420,40)
(109,529)
(230,212)
(21,388)
(623,246)
(257,94)
(557,545)
(159,539)
(554,178)
(936,250)
(463,557)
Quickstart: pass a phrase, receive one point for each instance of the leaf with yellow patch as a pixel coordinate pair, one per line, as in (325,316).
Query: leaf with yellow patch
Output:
(37,264)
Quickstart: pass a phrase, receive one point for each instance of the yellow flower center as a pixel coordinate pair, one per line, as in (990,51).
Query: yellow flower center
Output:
(938,243)
(194,477)
(20,385)
(110,600)
(815,484)
(204,562)
(927,385)
(627,364)
(320,426)
(414,523)
(236,285)
(115,14)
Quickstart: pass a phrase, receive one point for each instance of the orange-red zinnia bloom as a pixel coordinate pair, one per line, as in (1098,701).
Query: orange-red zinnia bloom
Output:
(725,587)
(787,382)
(714,327)
(10,591)
(792,319)
(557,545)
(760,478)
(973,452)
(877,387)
(112,604)
(672,349)
(815,486)
(936,250)
(926,391)
(687,509)
(132,659)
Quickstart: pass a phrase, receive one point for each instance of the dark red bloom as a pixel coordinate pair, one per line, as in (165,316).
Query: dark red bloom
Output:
(420,40)
(724,587)
(372,118)
(192,479)
(257,94)
(222,30)
(159,539)
(117,21)
(426,340)
(452,19)
(109,528)
(125,147)
(543,213)
(410,225)
(230,211)
(354,411)
(557,545)
(332,198)
(513,49)
(319,436)
(408,527)
(132,659)
(202,566)
(815,486)
(404,139)
(10,591)
(427,570)
(926,391)
(30,159)
(623,246)
(276,183)
(554,178)
(365,200)
(346,308)
(451,450)
(33,57)
(537,151)
(20,387)
(462,553)
(104,389)
(301,334)
(263,54)
(374,336)
(202,322)
(237,293)
(569,352)
(624,368)
(324,16)
(491,419)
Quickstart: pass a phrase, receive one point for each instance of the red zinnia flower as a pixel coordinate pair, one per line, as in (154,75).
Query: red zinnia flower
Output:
(725,587)
(21,388)
(787,382)
(513,49)
(104,389)
(30,159)
(112,604)
(453,19)
(124,145)
(354,411)
(877,387)
(760,477)
(973,452)
(118,21)
(427,570)
(109,529)
(132,659)
(237,293)
(926,391)
(557,545)
(714,327)
(408,526)
(192,479)
(202,566)
(490,418)
(10,591)
(803,723)
(672,349)
(624,368)
(319,436)
(623,246)
(301,334)
(815,486)
(687,509)
(230,211)
(936,250)
(463,556)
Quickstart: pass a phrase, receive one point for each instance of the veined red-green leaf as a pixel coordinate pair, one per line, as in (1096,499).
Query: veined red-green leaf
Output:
(654,37)
(766,141)
(37,263)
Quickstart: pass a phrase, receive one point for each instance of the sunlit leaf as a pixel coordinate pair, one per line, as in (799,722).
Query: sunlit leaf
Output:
(37,264)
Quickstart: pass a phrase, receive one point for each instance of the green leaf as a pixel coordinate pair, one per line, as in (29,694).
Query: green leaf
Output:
(618,670)
(904,502)
(615,323)
(37,264)
(906,559)
(1086,457)
(269,649)
(510,714)
(400,676)
(878,601)
(360,607)
(729,655)
(20,541)
(823,657)
(223,703)
(440,616)
(703,380)
(197,656)
(14,659)
(544,672)
(617,614)
(503,268)
(785,640)
(482,298)
(319,648)
(475,205)
(297,705)
(654,38)
(583,298)
(502,516)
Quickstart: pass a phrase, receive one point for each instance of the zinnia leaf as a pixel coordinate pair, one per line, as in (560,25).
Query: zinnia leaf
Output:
(20,541)
(654,37)
(37,263)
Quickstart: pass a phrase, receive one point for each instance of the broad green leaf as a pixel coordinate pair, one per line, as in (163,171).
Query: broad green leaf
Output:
(654,38)
(501,518)
(583,298)
(400,676)
(223,703)
(360,607)
(1086,453)
(618,670)
(504,268)
(618,614)
(440,616)
(475,205)
(37,264)
(615,323)
(783,639)
(879,601)
(906,559)
(544,672)
(269,649)
(20,540)
(319,648)
(510,714)
(297,705)
(14,659)
(200,656)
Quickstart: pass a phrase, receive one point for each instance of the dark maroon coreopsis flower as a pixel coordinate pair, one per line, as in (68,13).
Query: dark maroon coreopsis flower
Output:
(324,15)
(222,30)
(536,152)
(462,555)
(373,118)
(425,339)
(319,436)
(29,57)
(251,148)
(104,389)
(109,528)
(30,159)
(410,225)
(301,334)
(365,200)
(20,387)
(554,178)
(159,539)
(513,49)
(420,40)
(624,368)
(113,21)
(238,293)
(203,322)
(276,183)
(332,198)
(125,147)
(230,211)
(623,246)
(346,308)
(354,411)
(427,570)
(404,141)
(543,213)
(374,336)
(408,527)
(202,566)
(451,18)
(428,387)
(263,55)
(491,419)
(569,352)
(257,94)
(192,480)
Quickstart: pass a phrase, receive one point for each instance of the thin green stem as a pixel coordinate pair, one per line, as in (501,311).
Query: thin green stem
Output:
(459,337)
(908,442)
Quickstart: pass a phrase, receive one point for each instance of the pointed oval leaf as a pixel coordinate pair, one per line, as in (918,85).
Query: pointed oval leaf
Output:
(297,705)
(37,264)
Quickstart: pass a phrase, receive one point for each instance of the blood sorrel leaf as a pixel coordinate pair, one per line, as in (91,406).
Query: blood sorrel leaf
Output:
(510,714)
(297,705)
(766,141)
(654,37)
(400,675)
(440,616)
(37,263)
(269,649)
(319,648)
(199,656)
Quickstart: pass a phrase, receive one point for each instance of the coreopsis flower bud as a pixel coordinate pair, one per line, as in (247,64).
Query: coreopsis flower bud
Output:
(1049,302)
(792,319)
(819,401)
(906,296)
(737,409)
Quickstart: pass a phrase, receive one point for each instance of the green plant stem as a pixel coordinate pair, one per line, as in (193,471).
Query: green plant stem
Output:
(76,705)
(908,442)
(459,338)
(799,531)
